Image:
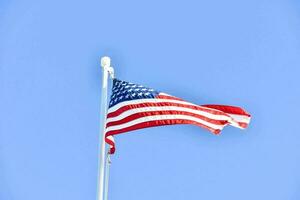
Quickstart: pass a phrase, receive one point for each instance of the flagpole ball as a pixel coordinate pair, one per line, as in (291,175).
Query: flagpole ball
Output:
(105,61)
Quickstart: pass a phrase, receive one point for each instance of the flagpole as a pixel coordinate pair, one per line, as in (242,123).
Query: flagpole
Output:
(107,166)
(107,70)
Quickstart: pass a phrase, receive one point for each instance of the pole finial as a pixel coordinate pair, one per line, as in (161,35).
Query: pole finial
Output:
(105,61)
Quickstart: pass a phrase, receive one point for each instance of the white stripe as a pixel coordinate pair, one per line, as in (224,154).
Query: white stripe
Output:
(111,138)
(167,108)
(164,94)
(240,118)
(138,101)
(163,117)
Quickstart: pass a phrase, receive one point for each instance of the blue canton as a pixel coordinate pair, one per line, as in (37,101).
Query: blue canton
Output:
(125,91)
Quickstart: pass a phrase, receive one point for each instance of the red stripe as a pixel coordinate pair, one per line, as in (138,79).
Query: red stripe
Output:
(160,123)
(112,144)
(229,109)
(157,123)
(243,124)
(161,96)
(112,150)
(169,112)
(161,104)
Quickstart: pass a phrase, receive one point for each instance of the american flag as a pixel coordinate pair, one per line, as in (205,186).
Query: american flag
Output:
(134,106)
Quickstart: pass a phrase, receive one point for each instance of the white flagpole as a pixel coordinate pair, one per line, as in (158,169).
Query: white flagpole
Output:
(107,165)
(106,69)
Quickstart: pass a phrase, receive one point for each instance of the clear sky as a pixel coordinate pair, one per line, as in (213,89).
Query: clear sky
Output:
(244,53)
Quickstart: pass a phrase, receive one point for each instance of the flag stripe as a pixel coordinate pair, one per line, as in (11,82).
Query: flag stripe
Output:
(240,118)
(163,117)
(139,101)
(229,109)
(144,103)
(161,107)
(146,124)
(241,125)
(166,96)
(110,140)
(136,114)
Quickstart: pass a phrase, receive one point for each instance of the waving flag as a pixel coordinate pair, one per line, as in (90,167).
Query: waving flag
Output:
(134,106)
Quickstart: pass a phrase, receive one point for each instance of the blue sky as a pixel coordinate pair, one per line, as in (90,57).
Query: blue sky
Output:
(243,53)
